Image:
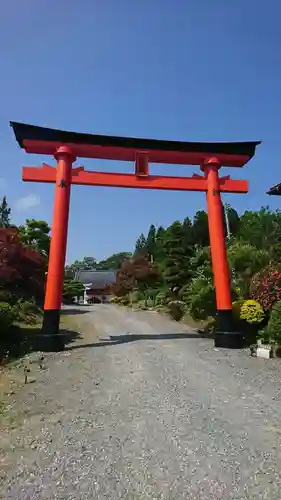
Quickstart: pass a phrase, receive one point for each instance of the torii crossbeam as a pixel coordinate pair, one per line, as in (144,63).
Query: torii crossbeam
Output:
(67,146)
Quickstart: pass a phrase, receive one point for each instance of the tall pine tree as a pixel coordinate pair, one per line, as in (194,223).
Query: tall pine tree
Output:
(176,265)
(159,251)
(140,248)
(151,243)
(200,229)
(188,233)
(5,213)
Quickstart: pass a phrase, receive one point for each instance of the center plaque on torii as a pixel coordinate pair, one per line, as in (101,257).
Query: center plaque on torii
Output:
(65,147)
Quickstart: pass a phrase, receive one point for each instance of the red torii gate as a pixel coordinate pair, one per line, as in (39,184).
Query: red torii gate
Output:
(67,146)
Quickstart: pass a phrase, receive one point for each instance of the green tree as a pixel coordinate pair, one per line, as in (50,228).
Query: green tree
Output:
(159,238)
(200,229)
(86,264)
(245,260)
(140,248)
(261,229)
(176,268)
(5,213)
(89,263)
(35,234)
(188,232)
(201,263)
(151,243)
(200,298)
(275,252)
(114,261)
(72,288)
(201,226)
(70,270)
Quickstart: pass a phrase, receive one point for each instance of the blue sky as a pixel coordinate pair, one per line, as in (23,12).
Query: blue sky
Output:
(184,69)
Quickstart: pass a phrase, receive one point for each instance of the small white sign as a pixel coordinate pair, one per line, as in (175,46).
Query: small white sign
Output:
(264,352)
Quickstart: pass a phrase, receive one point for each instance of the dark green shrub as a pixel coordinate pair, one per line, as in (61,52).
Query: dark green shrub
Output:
(27,311)
(184,293)
(200,299)
(176,309)
(30,307)
(236,309)
(160,299)
(7,316)
(264,336)
(6,296)
(272,332)
(245,260)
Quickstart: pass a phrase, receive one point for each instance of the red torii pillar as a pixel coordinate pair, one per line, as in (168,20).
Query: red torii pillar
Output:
(55,275)
(66,146)
(219,257)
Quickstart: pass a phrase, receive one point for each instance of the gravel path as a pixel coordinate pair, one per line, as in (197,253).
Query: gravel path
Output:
(151,415)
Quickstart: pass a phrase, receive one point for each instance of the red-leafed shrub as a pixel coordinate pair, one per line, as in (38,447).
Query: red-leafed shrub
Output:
(266,286)
(22,269)
(137,272)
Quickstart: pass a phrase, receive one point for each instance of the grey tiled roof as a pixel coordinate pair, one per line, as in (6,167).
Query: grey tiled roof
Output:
(98,279)
(275,190)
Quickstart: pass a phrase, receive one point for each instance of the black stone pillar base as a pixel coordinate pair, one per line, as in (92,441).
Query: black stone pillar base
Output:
(52,341)
(226,335)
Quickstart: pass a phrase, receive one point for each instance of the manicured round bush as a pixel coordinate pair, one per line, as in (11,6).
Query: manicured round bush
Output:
(266,286)
(252,312)
(7,316)
(176,309)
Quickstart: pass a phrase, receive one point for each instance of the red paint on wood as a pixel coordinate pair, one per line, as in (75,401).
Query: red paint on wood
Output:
(217,239)
(55,273)
(83,177)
